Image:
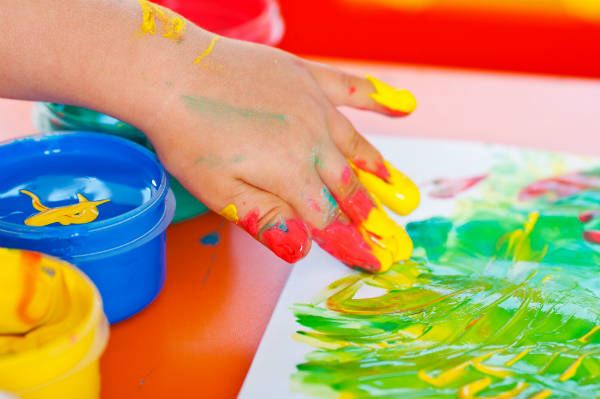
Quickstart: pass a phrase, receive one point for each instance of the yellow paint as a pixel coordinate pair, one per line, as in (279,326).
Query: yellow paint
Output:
(207,51)
(519,242)
(572,370)
(81,213)
(172,24)
(449,376)
(399,193)
(543,394)
(51,323)
(517,358)
(388,241)
(230,213)
(545,279)
(549,362)
(469,391)
(585,338)
(391,97)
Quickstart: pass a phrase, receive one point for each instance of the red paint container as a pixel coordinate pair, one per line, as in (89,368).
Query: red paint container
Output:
(256,21)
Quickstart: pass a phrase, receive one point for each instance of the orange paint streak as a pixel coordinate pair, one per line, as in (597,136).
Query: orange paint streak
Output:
(474,321)
(30,261)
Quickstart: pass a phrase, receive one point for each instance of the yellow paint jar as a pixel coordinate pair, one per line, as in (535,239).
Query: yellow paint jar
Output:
(52,328)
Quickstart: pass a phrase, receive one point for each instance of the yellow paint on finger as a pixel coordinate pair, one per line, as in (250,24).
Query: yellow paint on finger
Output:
(83,212)
(391,97)
(172,24)
(230,213)
(399,193)
(207,51)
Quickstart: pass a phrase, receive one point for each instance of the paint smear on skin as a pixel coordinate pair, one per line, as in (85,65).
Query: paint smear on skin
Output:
(289,240)
(207,51)
(379,171)
(398,192)
(312,204)
(448,188)
(371,242)
(83,212)
(212,238)
(588,216)
(250,222)
(230,213)
(561,186)
(332,208)
(206,106)
(352,90)
(399,101)
(346,174)
(173,25)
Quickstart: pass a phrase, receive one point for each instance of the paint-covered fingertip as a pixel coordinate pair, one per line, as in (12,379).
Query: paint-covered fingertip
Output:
(290,241)
(395,99)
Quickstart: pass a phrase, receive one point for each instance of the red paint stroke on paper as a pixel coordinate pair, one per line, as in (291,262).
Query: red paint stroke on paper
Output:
(560,186)
(448,188)
(592,236)
(585,217)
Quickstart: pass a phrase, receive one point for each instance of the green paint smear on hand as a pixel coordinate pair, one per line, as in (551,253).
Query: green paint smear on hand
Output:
(214,107)
(504,303)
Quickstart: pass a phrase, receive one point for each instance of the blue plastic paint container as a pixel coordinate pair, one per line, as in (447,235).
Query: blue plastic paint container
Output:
(123,251)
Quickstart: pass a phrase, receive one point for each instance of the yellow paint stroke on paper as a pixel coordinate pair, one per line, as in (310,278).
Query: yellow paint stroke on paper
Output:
(83,212)
(230,213)
(207,51)
(585,338)
(393,98)
(173,25)
(517,358)
(543,394)
(572,370)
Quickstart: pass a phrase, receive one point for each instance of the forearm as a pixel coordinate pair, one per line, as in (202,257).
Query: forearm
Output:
(95,54)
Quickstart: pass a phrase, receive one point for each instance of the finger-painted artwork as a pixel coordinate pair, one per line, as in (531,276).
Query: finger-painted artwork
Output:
(501,298)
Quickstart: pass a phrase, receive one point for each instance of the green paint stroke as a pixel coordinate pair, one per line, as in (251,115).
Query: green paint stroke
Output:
(208,106)
(504,302)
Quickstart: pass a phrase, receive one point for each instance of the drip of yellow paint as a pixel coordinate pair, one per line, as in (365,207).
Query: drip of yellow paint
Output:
(172,24)
(83,212)
(230,213)
(399,193)
(391,97)
(207,51)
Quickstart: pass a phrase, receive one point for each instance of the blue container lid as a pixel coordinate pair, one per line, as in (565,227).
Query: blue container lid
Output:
(39,162)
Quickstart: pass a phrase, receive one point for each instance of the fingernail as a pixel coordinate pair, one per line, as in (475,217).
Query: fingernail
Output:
(289,240)
(395,99)
(397,192)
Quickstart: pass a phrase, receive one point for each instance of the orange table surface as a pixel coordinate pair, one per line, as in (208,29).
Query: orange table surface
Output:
(198,338)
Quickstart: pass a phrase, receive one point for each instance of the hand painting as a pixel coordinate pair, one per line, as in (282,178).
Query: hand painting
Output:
(251,131)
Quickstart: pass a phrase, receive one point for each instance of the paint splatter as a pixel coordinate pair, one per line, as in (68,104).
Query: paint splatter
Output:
(398,101)
(173,26)
(288,240)
(207,51)
(212,238)
(210,107)
(448,188)
(250,222)
(230,213)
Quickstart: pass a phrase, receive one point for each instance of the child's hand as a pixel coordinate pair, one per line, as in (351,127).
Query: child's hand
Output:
(250,130)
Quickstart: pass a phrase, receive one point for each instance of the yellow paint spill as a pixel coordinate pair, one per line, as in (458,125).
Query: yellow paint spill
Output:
(230,213)
(391,97)
(172,24)
(83,212)
(399,193)
(585,338)
(207,51)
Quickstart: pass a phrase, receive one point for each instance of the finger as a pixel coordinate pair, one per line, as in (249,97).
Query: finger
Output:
(388,184)
(267,218)
(364,92)
(368,239)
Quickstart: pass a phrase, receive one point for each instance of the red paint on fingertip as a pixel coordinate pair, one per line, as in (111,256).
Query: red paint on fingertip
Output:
(345,243)
(289,245)
(592,236)
(379,171)
(250,222)
(357,207)
(346,174)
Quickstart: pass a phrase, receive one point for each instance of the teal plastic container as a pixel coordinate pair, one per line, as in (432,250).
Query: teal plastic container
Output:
(58,117)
